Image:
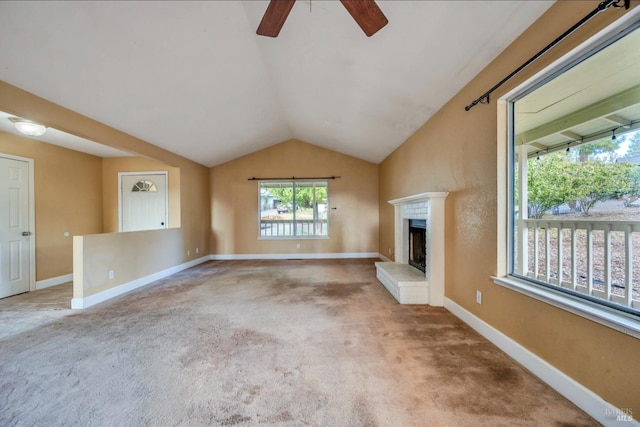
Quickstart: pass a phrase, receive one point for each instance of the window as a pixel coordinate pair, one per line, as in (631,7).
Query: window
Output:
(296,208)
(573,184)
(144,185)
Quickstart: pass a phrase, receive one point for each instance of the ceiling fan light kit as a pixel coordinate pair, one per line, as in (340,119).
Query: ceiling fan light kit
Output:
(366,13)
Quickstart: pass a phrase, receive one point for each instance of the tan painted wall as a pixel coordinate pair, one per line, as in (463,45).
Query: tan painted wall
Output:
(68,197)
(129,255)
(353,224)
(456,151)
(110,169)
(135,255)
(194,178)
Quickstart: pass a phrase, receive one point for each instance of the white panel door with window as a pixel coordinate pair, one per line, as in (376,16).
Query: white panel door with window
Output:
(14,227)
(143,201)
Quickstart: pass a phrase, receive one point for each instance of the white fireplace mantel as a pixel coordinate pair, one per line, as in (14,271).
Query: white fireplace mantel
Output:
(422,197)
(407,286)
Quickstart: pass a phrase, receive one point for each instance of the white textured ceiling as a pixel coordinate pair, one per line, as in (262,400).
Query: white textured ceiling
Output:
(195,79)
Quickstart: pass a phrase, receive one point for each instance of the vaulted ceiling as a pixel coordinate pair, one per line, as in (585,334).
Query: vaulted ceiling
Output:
(195,79)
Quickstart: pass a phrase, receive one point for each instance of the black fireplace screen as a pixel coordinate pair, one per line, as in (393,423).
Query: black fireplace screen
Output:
(417,243)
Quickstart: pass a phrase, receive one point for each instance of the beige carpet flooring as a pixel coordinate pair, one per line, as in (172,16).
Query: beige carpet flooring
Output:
(245,343)
(52,298)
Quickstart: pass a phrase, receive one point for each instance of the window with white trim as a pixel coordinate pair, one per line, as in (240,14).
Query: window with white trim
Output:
(574,181)
(294,209)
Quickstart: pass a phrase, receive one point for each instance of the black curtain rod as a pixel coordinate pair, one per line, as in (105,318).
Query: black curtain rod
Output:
(291,177)
(484,98)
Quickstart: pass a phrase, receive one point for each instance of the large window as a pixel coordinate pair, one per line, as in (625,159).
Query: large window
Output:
(574,181)
(294,209)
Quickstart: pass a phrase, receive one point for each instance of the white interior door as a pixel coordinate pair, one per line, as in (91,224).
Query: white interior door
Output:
(143,201)
(14,227)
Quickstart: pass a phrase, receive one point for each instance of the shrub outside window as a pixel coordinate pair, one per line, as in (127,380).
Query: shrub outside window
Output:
(574,179)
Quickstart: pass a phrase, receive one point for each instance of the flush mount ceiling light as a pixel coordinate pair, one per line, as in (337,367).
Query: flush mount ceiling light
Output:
(27,127)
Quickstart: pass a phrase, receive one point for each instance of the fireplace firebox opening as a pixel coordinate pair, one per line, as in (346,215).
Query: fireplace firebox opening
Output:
(417,243)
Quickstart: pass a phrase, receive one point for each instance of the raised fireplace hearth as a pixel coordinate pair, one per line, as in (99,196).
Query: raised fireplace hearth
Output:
(417,275)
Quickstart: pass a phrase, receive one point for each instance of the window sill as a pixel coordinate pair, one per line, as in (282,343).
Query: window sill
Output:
(611,318)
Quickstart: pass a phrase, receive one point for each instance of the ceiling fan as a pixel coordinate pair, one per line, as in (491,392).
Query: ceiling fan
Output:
(366,13)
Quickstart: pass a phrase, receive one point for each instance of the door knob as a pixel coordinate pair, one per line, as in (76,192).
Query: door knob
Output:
(26,233)
(162,223)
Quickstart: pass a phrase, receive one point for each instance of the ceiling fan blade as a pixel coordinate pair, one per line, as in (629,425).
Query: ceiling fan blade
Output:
(274,17)
(367,14)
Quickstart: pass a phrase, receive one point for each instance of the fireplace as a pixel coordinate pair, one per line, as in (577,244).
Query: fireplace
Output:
(418,243)
(416,275)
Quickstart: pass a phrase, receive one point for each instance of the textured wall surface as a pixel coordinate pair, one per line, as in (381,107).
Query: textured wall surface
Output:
(353,199)
(68,198)
(456,151)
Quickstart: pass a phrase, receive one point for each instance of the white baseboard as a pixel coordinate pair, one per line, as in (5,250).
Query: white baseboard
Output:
(602,411)
(105,295)
(384,258)
(53,281)
(334,255)
(85,302)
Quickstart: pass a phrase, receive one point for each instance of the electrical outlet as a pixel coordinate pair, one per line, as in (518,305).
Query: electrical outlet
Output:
(111,274)
(297,245)
(188,252)
(197,250)
(390,251)
(478,297)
